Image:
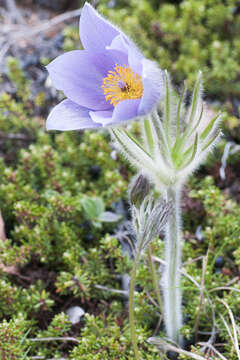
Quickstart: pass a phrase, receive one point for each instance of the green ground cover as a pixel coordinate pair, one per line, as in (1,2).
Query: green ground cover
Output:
(59,251)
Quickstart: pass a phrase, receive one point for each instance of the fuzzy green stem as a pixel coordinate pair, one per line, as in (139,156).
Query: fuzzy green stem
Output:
(131,307)
(172,291)
(155,280)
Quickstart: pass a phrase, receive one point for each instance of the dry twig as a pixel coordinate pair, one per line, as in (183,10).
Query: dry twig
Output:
(2,228)
(12,136)
(213,349)
(14,12)
(47,339)
(114,291)
(28,32)
(163,344)
(204,267)
(234,333)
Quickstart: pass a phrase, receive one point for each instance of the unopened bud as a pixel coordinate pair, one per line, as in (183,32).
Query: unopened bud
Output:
(139,189)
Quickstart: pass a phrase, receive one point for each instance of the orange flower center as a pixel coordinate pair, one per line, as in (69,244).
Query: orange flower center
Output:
(122,84)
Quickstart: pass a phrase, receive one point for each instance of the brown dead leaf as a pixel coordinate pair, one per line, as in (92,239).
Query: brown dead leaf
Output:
(226,271)
(9,269)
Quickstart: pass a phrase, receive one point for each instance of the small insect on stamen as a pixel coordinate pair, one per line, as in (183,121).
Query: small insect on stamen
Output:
(122,84)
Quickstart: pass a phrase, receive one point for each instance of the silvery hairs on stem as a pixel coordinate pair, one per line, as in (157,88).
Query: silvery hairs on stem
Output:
(175,140)
(149,216)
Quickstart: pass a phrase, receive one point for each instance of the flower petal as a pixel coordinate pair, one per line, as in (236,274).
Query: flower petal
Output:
(101,117)
(152,79)
(118,43)
(125,110)
(69,116)
(79,74)
(95,32)
(122,43)
(135,60)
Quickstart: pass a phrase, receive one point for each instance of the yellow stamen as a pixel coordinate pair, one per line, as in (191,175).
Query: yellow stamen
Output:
(122,84)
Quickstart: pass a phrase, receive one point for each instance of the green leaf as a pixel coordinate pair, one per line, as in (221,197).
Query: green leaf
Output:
(109,216)
(184,160)
(134,140)
(208,128)
(181,140)
(25,336)
(93,207)
(194,151)
(211,140)
(148,134)
(179,109)
(198,122)
(97,224)
(133,150)
(195,98)
(167,107)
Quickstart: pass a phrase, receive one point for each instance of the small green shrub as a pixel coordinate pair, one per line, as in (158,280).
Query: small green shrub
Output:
(57,252)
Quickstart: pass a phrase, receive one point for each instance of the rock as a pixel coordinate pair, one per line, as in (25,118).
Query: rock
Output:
(188,342)
(55,5)
(172,355)
(219,262)
(75,313)
(112,4)
(199,234)
(95,171)
(29,60)
(89,238)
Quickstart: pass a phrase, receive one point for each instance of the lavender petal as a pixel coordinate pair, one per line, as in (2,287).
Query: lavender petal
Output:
(95,32)
(69,116)
(101,117)
(125,110)
(79,74)
(152,79)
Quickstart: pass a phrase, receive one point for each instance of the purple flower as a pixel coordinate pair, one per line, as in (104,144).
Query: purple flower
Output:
(107,83)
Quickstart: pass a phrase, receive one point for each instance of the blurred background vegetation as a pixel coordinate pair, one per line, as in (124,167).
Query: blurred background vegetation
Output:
(59,250)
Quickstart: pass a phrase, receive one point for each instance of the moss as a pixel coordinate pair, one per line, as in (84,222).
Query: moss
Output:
(109,338)
(56,255)
(13,335)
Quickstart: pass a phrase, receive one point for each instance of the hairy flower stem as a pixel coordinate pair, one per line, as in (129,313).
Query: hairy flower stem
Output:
(131,306)
(155,280)
(172,291)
